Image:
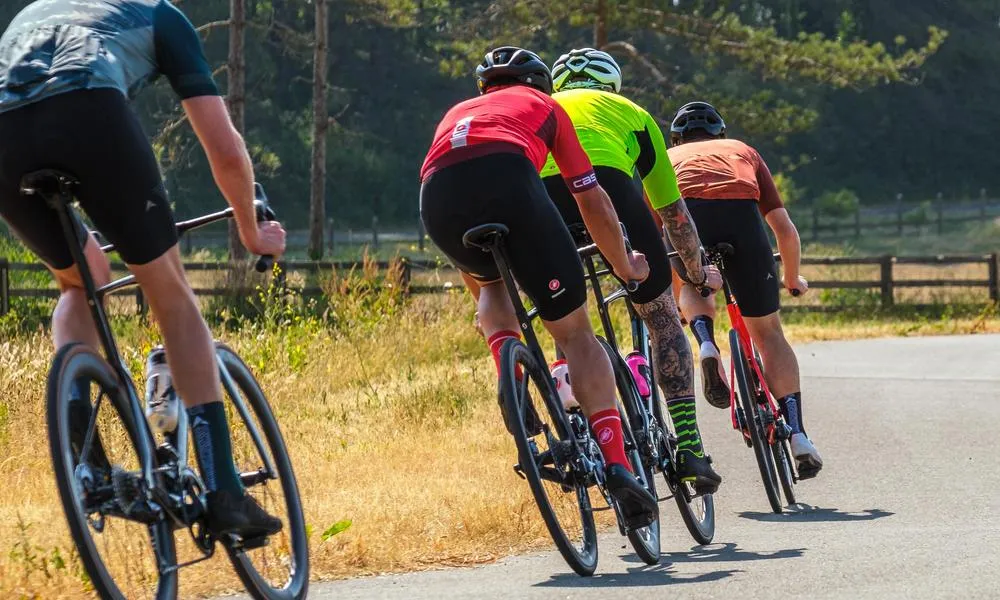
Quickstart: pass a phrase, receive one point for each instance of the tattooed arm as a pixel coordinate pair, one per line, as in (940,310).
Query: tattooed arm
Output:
(683,237)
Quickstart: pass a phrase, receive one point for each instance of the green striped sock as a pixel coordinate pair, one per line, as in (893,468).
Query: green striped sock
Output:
(682,413)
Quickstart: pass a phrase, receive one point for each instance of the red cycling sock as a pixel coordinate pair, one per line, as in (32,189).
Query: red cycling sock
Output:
(496,342)
(607,426)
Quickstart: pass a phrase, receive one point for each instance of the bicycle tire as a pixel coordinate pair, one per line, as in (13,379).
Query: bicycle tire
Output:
(783,462)
(748,399)
(296,586)
(514,353)
(782,457)
(645,541)
(75,362)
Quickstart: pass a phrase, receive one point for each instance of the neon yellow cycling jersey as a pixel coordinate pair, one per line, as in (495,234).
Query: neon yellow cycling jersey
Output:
(616,132)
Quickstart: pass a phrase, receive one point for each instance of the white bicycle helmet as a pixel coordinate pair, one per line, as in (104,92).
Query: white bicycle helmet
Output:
(586,68)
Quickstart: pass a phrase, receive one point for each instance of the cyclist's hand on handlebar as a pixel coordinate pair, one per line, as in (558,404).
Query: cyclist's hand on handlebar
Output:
(267,240)
(637,269)
(713,278)
(797,286)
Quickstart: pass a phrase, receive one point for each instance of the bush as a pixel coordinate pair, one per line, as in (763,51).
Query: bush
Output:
(842,203)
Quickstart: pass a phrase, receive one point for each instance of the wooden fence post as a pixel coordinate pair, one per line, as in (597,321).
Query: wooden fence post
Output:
(994,277)
(4,286)
(885,276)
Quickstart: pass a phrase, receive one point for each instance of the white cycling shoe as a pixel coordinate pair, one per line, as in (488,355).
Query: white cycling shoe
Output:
(807,457)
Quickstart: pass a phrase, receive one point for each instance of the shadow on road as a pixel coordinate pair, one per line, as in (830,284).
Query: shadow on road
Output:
(804,513)
(728,552)
(644,576)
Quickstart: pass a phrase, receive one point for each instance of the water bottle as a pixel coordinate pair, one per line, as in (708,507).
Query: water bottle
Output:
(560,372)
(641,373)
(162,404)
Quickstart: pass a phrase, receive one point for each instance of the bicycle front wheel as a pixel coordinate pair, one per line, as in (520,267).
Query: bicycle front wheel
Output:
(746,379)
(545,454)
(127,550)
(645,541)
(276,568)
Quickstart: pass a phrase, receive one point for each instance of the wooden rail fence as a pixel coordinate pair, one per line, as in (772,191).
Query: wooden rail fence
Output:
(887,282)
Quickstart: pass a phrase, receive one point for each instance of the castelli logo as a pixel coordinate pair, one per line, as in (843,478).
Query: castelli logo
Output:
(554,285)
(604,436)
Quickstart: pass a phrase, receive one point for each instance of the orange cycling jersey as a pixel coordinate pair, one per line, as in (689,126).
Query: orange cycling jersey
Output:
(722,169)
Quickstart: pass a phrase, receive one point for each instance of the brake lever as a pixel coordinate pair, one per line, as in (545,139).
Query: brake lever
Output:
(264,213)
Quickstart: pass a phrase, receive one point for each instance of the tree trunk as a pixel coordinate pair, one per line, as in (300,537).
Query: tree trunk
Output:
(601,25)
(236,94)
(321,120)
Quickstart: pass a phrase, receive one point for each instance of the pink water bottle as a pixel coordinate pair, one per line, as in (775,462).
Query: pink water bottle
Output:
(641,373)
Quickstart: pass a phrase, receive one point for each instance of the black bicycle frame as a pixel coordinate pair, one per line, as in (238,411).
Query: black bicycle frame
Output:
(72,227)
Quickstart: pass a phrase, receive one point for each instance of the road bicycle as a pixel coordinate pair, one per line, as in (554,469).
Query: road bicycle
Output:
(753,409)
(124,493)
(556,450)
(653,446)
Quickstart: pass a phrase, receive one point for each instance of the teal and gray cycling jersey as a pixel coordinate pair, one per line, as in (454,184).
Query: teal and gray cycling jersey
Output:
(57,46)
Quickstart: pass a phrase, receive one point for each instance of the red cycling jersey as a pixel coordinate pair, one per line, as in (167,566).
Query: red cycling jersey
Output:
(515,118)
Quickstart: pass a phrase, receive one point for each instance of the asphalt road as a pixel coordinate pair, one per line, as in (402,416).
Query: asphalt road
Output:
(907,506)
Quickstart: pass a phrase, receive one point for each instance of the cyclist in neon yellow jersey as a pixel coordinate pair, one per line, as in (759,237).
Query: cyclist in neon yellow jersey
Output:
(621,138)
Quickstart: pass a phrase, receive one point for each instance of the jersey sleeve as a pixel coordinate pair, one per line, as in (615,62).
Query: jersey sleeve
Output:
(573,162)
(770,199)
(179,55)
(658,176)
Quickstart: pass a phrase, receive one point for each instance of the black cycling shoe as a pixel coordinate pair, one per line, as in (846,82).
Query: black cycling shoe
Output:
(239,515)
(532,424)
(638,507)
(698,471)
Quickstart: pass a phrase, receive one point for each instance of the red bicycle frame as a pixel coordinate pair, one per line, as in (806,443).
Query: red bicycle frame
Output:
(746,345)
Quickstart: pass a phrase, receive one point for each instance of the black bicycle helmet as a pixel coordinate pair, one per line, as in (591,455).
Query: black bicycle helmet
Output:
(695,116)
(512,65)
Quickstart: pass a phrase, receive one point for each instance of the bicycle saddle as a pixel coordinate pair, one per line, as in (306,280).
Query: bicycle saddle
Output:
(51,184)
(484,236)
(724,250)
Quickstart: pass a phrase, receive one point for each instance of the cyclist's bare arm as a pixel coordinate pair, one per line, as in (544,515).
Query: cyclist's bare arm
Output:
(232,169)
(684,238)
(789,245)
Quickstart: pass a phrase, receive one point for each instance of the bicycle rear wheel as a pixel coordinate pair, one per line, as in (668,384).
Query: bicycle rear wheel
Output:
(645,541)
(545,458)
(127,551)
(746,379)
(279,568)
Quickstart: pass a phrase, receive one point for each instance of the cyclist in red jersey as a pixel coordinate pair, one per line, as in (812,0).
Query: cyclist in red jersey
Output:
(728,188)
(483,167)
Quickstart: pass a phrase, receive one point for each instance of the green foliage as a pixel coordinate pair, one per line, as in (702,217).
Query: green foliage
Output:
(336,528)
(841,203)
(790,192)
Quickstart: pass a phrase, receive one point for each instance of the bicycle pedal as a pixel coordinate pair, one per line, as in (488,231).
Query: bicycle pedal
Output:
(519,471)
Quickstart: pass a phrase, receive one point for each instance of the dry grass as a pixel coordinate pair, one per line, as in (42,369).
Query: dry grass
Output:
(393,427)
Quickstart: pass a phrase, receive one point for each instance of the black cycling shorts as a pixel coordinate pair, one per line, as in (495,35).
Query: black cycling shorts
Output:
(626,196)
(506,189)
(752,273)
(94,136)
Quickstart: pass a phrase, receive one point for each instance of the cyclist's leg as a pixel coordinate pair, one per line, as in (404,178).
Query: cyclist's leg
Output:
(754,280)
